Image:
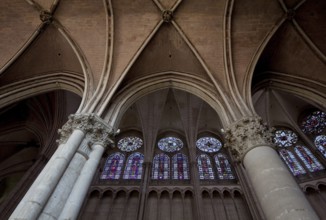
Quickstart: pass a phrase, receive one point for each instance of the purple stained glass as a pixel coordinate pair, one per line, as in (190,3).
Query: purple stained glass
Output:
(113,166)
(134,166)
(223,167)
(205,167)
(309,160)
(129,144)
(180,169)
(320,142)
(170,144)
(314,123)
(208,144)
(292,162)
(285,138)
(161,167)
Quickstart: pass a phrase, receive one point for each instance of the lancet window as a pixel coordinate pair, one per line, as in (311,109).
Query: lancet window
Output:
(118,167)
(295,154)
(212,163)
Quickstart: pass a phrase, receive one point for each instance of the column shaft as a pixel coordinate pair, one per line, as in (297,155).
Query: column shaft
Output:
(78,193)
(35,199)
(278,193)
(60,195)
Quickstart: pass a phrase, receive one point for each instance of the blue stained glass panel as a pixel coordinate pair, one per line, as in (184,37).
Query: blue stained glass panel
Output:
(223,167)
(320,142)
(285,138)
(161,167)
(130,143)
(170,144)
(292,162)
(309,160)
(113,166)
(208,144)
(205,167)
(180,168)
(134,166)
(314,123)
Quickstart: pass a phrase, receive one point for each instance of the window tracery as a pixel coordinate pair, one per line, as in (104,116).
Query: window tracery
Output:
(314,123)
(113,166)
(290,160)
(309,160)
(223,167)
(208,144)
(134,166)
(129,144)
(170,144)
(161,167)
(180,168)
(205,168)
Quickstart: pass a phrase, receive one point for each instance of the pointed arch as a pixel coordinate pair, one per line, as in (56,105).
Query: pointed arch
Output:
(113,166)
(205,168)
(134,166)
(180,167)
(223,167)
(161,167)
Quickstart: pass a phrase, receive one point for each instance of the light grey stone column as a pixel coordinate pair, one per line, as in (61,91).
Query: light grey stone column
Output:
(278,193)
(59,197)
(78,193)
(33,202)
(101,137)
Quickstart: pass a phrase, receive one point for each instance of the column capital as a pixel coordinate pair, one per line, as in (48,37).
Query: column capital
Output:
(96,130)
(246,134)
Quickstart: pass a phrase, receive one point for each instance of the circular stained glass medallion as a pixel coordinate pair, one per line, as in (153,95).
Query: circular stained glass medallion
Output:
(285,138)
(170,144)
(314,123)
(208,144)
(130,143)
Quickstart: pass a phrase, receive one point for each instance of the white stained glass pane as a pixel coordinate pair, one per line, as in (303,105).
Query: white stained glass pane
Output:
(112,167)
(161,167)
(204,167)
(285,138)
(223,167)
(170,144)
(134,167)
(309,160)
(129,144)
(180,167)
(292,162)
(320,142)
(208,144)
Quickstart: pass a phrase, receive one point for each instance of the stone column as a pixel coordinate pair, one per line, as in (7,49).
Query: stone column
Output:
(58,198)
(277,191)
(33,202)
(101,137)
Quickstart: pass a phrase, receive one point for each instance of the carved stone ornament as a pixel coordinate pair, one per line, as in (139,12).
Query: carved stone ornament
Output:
(96,130)
(46,17)
(167,16)
(246,134)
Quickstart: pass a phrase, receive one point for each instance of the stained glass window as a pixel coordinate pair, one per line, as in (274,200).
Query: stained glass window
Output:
(292,162)
(113,166)
(223,167)
(130,143)
(208,144)
(170,144)
(134,166)
(205,167)
(161,167)
(285,138)
(180,168)
(309,160)
(320,142)
(314,123)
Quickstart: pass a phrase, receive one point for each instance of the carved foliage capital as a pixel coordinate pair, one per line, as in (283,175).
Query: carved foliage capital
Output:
(96,130)
(246,134)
